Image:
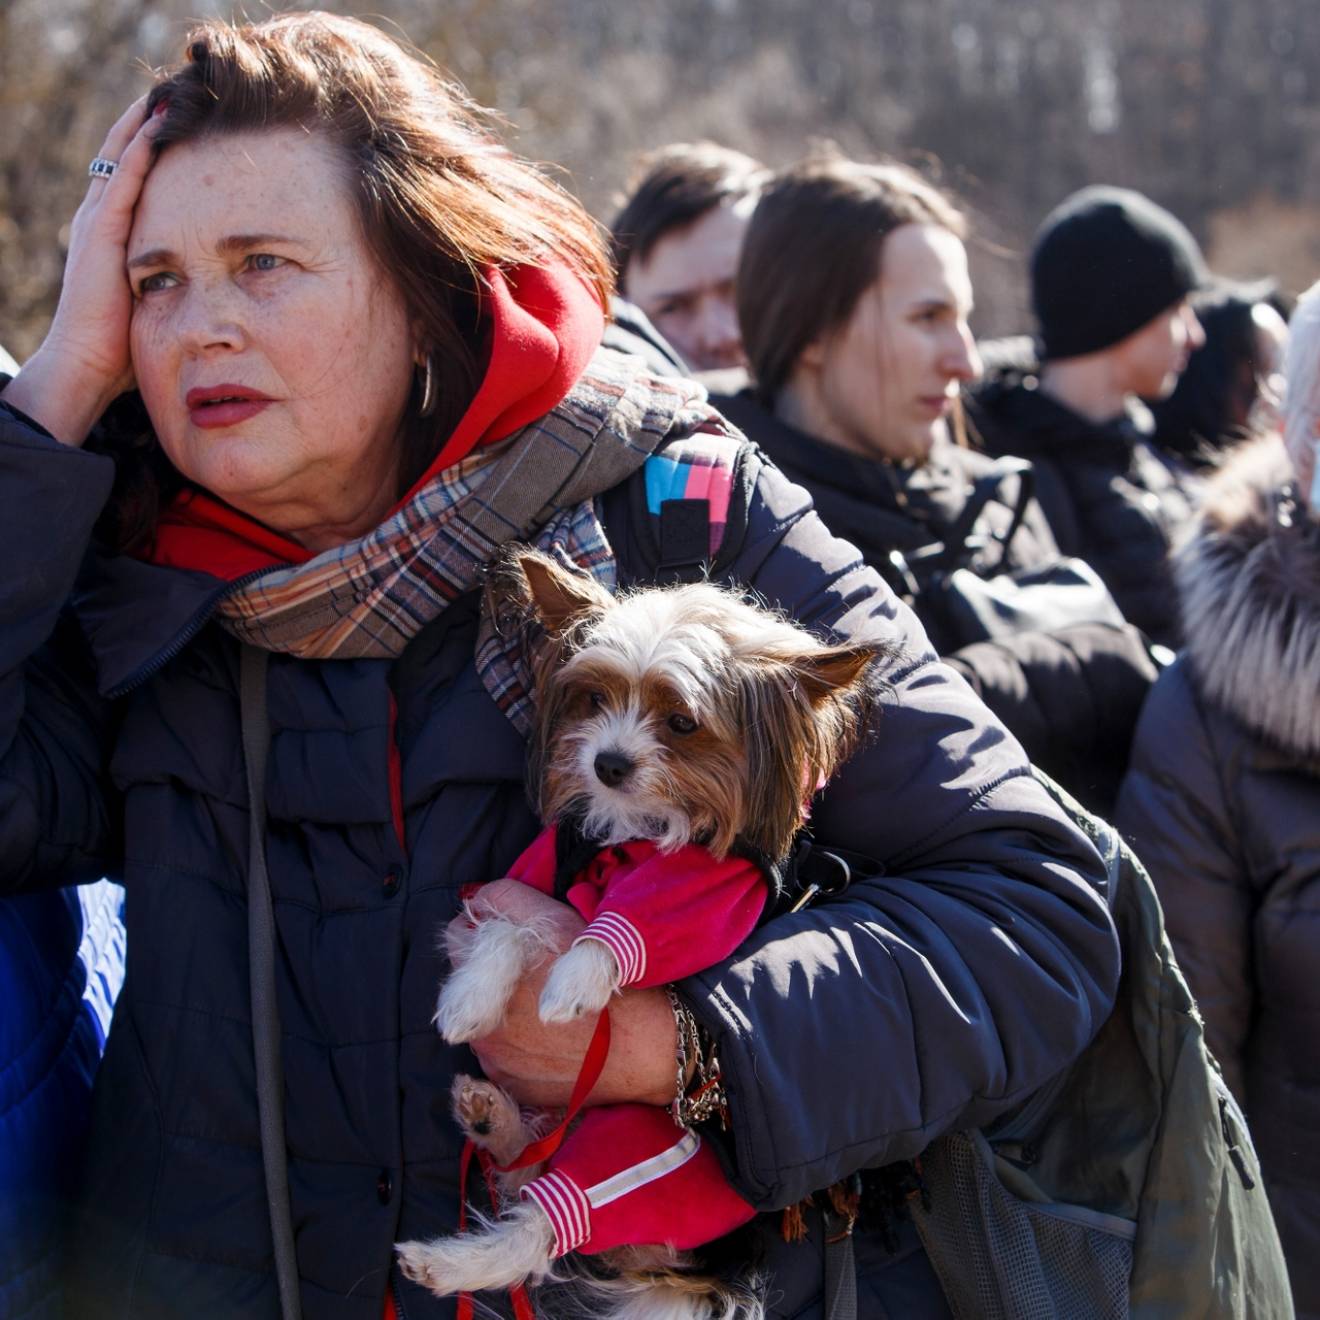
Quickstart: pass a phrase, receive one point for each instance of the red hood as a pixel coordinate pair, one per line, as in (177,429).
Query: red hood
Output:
(545,325)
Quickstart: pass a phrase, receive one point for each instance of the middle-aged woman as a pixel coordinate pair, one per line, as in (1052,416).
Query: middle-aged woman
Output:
(365,339)
(854,294)
(1223,797)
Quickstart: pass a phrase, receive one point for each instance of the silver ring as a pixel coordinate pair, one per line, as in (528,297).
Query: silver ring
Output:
(101,168)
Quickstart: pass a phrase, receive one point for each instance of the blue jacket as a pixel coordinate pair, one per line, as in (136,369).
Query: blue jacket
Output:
(61,963)
(937,993)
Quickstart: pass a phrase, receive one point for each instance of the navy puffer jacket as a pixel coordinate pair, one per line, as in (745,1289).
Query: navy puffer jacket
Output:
(1110,498)
(937,993)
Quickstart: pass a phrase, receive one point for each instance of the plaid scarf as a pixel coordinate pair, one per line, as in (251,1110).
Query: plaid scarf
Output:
(369,598)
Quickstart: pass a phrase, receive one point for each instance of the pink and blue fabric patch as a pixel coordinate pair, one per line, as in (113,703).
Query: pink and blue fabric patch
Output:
(697,468)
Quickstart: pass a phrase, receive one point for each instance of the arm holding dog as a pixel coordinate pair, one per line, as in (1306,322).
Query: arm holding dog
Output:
(935,995)
(539,1063)
(979,966)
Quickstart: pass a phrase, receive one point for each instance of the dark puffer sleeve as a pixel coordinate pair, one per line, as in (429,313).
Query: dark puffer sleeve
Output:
(1070,696)
(55,824)
(1174,812)
(934,995)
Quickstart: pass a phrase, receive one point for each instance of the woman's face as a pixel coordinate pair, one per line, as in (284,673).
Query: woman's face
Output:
(274,356)
(886,381)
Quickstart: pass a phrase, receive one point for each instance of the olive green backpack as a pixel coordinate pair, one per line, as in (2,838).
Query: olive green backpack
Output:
(1127,1186)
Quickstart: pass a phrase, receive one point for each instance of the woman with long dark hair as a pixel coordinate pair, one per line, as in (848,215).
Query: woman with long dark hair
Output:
(854,297)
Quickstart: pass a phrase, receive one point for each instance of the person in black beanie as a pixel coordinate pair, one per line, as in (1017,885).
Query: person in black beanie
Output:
(1112,276)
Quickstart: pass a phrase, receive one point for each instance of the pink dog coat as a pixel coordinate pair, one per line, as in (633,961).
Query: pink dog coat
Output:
(662,915)
(626,1174)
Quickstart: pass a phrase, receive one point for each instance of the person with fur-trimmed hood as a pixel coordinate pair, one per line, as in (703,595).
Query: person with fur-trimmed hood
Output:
(1223,795)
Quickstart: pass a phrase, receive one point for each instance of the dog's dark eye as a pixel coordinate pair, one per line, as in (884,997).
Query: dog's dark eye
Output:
(682,724)
(597,699)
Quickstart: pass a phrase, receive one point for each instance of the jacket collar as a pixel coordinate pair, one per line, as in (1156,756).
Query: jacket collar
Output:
(865,500)
(1249,584)
(137,616)
(1014,416)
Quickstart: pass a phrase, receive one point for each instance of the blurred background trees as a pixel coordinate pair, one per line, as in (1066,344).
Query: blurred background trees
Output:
(1210,106)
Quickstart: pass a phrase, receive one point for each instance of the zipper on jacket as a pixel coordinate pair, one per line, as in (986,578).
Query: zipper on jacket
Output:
(397,1293)
(184,635)
(396,776)
(1231,1144)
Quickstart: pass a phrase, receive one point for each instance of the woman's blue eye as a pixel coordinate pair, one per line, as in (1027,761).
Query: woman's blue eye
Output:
(265,261)
(154,283)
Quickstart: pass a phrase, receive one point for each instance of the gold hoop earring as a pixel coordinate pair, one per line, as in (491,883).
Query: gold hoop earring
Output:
(430,395)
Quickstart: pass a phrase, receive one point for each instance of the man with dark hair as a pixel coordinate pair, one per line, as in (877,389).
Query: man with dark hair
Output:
(1112,276)
(677,241)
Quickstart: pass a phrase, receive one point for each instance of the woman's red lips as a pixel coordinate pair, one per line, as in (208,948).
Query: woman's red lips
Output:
(224,405)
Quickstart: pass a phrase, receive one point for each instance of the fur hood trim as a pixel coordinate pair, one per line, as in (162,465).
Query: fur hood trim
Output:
(1249,584)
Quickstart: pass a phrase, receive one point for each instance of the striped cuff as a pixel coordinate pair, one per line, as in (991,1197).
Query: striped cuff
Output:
(623,940)
(565,1205)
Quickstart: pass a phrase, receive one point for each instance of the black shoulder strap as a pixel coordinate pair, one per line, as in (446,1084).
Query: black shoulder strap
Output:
(986,488)
(266,1040)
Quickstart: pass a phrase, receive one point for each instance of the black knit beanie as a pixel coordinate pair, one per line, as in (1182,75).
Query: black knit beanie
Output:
(1104,262)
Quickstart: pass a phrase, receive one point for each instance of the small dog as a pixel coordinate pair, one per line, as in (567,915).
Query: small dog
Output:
(681,732)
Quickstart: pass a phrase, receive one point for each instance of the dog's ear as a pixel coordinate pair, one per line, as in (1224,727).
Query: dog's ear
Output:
(558,596)
(836,671)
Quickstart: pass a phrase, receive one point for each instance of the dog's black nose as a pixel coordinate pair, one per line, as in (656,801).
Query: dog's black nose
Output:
(612,768)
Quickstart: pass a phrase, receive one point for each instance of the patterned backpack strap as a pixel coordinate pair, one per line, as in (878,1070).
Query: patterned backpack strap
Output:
(689,508)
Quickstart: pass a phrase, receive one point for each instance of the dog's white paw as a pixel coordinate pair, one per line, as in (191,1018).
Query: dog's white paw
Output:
(516,1247)
(463,1012)
(474,999)
(580,981)
(489,1117)
(417,1261)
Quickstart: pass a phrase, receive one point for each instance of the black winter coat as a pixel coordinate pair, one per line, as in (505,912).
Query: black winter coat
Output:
(1110,499)
(935,994)
(1071,696)
(1222,804)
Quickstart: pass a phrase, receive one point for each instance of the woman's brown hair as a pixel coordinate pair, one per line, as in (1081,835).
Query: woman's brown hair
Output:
(814,246)
(440,198)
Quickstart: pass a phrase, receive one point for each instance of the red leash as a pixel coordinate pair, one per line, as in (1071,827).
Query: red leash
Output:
(522,1305)
(533,1153)
(588,1075)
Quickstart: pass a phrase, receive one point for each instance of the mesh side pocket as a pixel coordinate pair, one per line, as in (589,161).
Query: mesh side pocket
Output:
(1001,1258)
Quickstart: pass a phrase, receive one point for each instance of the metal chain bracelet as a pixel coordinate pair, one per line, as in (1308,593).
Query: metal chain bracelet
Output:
(699,1089)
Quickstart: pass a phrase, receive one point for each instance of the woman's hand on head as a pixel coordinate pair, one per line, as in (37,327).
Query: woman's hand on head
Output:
(83,363)
(538,1064)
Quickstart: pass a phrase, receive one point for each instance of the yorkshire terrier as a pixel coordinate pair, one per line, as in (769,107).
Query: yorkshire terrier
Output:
(681,733)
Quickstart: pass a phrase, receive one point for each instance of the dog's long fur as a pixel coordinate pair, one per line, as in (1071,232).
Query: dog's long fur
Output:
(722,719)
